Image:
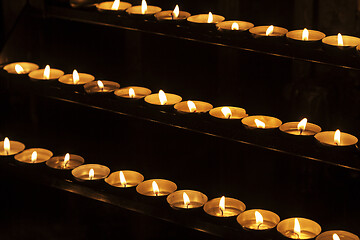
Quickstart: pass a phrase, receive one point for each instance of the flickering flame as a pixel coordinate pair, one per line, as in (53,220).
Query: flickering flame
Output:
(297,229)
(46,74)
(66,160)
(302,125)
(226,112)
(91,174)
(340,40)
(191,106)
(269,30)
(186,199)
(122,179)
(222,204)
(162,97)
(305,35)
(235,26)
(100,85)
(115,5)
(7,145)
(259,124)
(176,12)
(131,93)
(19,69)
(337,137)
(75,77)
(155,188)
(259,218)
(143,7)
(210,18)
(34,156)
(336,237)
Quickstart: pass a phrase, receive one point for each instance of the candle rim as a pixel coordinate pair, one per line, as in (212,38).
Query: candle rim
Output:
(207,106)
(291,35)
(103,6)
(12,65)
(197,17)
(339,232)
(63,79)
(78,171)
(126,173)
(233,110)
(54,74)
(288,223)
(264,212)
(282,30)
(291,125)
(165,13)
(326,40)
(174,194)
(131,10)
(223,24)
(40,151)
(277,122)
(348,135)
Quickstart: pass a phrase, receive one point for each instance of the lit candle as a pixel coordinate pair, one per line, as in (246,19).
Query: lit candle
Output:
(101,86)
(124,179)
(258,219)
(268,31)
(76,78)
(224,207)
(8,148)
(261,122)
(132,92)
(67,162)
(305,35)
(336,138)
(34,155)
(46,74)
(234,26)
(186,199)
(156,187)
(302,128)
(115,6)
(228,112)
(193,107)
(299,228)
(207,19)
(337,235)
(90,172)
(172,15)
(163,99)
(341,41)
(143,10)
(20,67)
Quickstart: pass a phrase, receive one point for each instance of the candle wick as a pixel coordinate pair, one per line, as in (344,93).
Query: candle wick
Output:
(297,235)
(187,205)
(125,185)
(258,227)
(222,212)
(229,116)
(301,131)
(156,194)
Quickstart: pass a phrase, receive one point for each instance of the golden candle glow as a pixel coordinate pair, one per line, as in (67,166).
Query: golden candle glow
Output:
(122,179)
(259,218)
(143,7)
(155,188)
(46,74)
(337,137)
(34,156)
(186,199)
(259,124)
(7,145)
(210,18)
(131,93)
(66,159)
(162,97)
(191,106)
(336,237)
(302,125)
(226,112)
(91,174)
(340,40)
(305,35)
(19,69)
(235,26)
(75,76)
(297,229)
(100,85)
(269,30)
(115,6)
(176,12)
(222,204)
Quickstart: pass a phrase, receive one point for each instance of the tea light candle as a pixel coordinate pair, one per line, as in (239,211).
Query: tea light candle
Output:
(124,179)
(66,162)
(193,107)
(172,15)
(299,228)
(305,35)
(8,148)
(341,41)
(186,199)
(228,112)
(261,122)
(163,99)
(133,92)
(234,26)
(156,187)
(337,235)
(20,67)
(114,7)
(101,86)
(258,219)
(34,155)
(90,172)
(336,138)
(302,128)
(46,74)
(268,31)
(209,19)
(143,10)
(224,207)
(76,78)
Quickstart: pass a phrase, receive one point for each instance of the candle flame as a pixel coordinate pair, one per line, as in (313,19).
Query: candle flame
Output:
(46,74)
(226,112)
(143,7)
(259,218)
(259,124)
(222,204)
(176,12)
(100,85)
(131,93)
(34,156)
(19,69)
(269,30)
(91,174)
(297,228)
(337,137)
(75,77)
(115,5)
(302,125)
(210,18)
(66,159)
(336,237)
(235,26)
(162,97)
(122,178)
(340,40)
(191,106)
(155,188)
(305,35)
(7,145)
(186,199)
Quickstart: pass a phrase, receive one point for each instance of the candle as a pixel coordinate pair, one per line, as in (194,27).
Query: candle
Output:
(20,67)
(261,122)
(209,19)
(268,31)
(162,98)
(76,78)
(186,199)
(66,162)
(156,187)
(115,6)
(132,92)
(8,148)
(101,86)
(193,107)
(302,128)
(46,74)
(143,10)
(124,179)
(336,138)
(258,219)
(34,155)
(341,41)
(224,207)
(337,235)
(299,228)
(172,15)
(234,26)
(228,112)
(90,172)
(305,35)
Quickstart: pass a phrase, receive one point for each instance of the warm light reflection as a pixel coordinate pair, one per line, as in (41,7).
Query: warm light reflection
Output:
(297,229)
(7,145)
(191,106)
(176,12)
(337,137)
(259,124)
(340,40)
(162,97)
(46,74)
(226,112)
(19,69)
(186,199)
(143,7)
(75,77)
(122,178)
(131,93)
(91,174)
(115,5)
(34,156)
(66,159)
(210,18)
(269,30)
(222,205)
(305,35)
(259,218)
(336,237)
(100,85)
(155,188)
(235,26)
(302,125)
